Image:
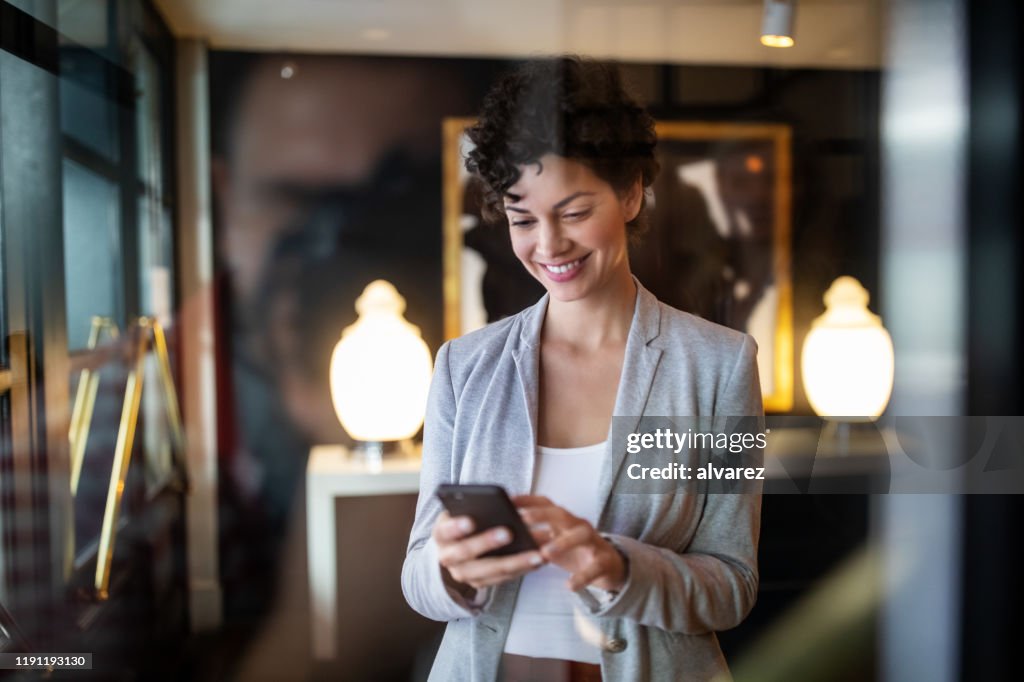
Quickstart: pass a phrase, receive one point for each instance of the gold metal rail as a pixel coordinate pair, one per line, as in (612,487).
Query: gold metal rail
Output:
(85,401)
(147,329)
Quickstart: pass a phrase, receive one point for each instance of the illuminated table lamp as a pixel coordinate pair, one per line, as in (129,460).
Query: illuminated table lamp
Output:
(847,361)
(380,372)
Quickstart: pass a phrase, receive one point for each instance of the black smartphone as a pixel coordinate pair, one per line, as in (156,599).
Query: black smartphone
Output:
(489,506)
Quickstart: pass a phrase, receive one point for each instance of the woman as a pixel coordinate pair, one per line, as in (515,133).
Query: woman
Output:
(624,587)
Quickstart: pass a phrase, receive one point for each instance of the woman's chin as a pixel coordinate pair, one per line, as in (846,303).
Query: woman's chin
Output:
(566,292)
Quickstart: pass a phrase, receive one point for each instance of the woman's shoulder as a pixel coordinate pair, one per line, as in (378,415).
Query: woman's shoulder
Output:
(492,334)
(688,331)
(487,342)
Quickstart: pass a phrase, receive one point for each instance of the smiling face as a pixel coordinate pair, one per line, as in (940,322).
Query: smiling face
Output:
(568,228)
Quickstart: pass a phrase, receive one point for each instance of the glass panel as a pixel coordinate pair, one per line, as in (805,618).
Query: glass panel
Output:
(88,108)
(86,22)
(89,118)
(147,118)
(32,276)
(156,278)
(92,263)
(43,10)
(155,261)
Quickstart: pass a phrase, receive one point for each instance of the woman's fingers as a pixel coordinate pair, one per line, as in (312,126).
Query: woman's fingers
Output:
(560,535)
(459,552)
(494,570)
(565,540)
(571,538)
(542,534)
(556,517)
(451,528)
(587,575)
(605,569)
(453,553)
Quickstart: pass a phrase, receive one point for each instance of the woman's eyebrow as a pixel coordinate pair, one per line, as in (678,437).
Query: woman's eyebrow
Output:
(514,199)
(569,198)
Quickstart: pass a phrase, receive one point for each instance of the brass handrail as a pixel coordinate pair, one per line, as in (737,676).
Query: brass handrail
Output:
(85,401)
(170,393)
(6,378)
(147,328)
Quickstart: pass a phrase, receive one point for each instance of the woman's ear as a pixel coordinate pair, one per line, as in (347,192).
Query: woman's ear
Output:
(632,199)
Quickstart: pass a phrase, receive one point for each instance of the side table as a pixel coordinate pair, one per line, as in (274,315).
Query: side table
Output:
(332,473)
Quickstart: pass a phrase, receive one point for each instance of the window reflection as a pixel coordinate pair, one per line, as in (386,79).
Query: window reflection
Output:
(118,261)
(91,250)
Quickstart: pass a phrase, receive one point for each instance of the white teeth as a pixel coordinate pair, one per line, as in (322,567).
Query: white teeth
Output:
(562,269)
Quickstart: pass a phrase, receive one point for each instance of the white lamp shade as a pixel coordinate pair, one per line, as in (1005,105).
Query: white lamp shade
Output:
(847,361)
(380,370)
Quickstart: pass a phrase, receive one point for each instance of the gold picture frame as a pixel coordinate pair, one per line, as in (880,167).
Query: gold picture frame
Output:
(729,183)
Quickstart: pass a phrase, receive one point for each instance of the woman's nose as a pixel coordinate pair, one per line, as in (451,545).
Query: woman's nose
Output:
(551,239)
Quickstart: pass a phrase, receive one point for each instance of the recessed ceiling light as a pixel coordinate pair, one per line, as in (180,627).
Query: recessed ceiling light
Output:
(288,69)
(777,23)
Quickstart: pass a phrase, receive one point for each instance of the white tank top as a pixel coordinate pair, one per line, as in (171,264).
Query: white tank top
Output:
(546,622)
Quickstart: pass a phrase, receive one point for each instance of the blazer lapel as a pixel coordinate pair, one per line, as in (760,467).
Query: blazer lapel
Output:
(639,367)
(526,355)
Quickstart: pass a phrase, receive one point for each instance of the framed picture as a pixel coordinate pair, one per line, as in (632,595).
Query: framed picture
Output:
(718,242)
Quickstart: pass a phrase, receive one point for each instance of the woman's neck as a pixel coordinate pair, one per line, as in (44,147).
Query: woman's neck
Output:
(602,318)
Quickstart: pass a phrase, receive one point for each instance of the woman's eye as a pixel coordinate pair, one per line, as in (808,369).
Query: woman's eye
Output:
(522,223)
(576,215)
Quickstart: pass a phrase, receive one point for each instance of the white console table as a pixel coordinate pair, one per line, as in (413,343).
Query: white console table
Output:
(330,474)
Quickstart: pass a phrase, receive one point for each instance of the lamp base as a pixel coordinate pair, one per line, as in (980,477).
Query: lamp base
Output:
(375,451)
(845,438)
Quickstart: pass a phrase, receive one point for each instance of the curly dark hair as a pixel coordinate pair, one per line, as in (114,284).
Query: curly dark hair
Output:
(569,106)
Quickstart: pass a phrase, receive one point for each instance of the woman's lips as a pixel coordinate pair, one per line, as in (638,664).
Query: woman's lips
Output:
(565,271)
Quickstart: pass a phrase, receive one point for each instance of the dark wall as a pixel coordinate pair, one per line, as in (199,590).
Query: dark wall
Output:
(993,598)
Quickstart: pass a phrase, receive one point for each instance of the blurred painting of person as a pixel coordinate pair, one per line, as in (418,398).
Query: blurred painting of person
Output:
(504,287)
(326,177)
(711,251)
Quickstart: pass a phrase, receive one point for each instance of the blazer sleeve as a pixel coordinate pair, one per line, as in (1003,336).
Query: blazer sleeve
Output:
(423,582)
(712,585)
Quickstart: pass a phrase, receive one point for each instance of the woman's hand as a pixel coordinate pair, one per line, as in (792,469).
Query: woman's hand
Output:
(459,550)
(572,543)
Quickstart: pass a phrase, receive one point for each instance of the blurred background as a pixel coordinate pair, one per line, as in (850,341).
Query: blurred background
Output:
(194,195)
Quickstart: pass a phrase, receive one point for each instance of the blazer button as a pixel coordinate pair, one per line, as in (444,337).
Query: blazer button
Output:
(615,645)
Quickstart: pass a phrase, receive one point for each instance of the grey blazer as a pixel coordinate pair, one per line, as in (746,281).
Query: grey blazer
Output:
(692,556)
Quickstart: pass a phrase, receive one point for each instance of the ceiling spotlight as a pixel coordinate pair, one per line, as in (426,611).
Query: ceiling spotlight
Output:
(777,23)
(288,70)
